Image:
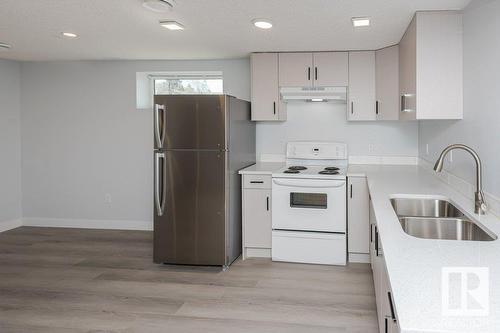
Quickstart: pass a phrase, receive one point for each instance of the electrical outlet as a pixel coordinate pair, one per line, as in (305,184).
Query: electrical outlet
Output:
(107,198)
(371,148)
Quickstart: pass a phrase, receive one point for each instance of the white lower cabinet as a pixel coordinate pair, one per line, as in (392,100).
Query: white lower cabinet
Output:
(358,239)
(256,210)
(386,312)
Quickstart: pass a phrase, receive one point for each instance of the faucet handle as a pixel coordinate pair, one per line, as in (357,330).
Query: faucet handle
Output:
(480,207)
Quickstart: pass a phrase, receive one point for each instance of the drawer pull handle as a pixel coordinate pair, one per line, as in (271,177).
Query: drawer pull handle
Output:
(393,315)
(256,182)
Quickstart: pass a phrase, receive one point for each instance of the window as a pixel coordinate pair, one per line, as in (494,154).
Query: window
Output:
(308,200)
(188,83)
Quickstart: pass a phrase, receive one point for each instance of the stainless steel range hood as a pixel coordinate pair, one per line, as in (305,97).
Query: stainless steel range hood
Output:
(319,94)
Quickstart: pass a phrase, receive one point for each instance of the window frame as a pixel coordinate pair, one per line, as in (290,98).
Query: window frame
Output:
(191,75)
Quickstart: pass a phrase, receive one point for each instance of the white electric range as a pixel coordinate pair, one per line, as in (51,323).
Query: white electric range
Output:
(309,204)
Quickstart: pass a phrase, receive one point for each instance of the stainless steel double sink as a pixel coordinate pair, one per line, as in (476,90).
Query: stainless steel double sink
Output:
(437,219)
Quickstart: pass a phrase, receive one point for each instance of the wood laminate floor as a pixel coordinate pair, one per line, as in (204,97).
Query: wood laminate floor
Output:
(79,280)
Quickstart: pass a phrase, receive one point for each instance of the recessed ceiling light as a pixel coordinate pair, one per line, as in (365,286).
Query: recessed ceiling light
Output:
(262,23)
(159,6)
(361,21)
(317,100)
(5,46)
(172,25)
(69,35)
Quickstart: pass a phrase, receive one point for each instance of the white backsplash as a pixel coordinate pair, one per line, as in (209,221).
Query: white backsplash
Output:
(463,187)
(327,122)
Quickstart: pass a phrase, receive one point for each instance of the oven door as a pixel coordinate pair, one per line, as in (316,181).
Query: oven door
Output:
(309,205)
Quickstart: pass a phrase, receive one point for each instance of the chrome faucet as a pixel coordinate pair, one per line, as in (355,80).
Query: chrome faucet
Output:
(480,206)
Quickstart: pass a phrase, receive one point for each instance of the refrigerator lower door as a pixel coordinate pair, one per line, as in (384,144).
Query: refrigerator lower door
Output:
(191,227)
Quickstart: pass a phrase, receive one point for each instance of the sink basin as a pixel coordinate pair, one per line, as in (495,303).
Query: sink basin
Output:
(444,228)
(437,219)
(425,208)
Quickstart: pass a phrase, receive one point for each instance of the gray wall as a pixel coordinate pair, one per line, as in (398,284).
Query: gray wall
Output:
(83,137)
(480,127)
(327,122)
(10,142)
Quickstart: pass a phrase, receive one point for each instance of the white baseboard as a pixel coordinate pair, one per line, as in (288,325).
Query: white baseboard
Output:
(363,258)
(87,224)
(252,252)
(11,224)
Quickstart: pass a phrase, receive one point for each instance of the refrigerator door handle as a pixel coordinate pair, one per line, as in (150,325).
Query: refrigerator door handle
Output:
(159,194)
(159,132)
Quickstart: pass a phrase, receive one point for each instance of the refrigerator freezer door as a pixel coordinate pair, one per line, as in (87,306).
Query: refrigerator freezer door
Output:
(190,122)
(192,228)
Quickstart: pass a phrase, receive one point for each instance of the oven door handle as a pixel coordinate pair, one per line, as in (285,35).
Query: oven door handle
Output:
(320,184)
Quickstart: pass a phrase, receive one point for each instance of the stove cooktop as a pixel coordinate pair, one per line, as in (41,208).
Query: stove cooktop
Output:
(312,171)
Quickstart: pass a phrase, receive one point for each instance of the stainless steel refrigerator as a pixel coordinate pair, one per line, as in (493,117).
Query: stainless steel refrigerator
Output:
(201,141)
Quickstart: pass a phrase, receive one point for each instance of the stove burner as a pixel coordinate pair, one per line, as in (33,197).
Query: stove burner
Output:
(329,172)
(297,167)
(332,169)
(291,171)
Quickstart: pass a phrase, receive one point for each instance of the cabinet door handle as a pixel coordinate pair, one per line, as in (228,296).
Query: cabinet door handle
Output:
(393,315)
(376,107)
(403,103)
(316,73)
(386,325)
(267,203)
(352,107)
(351,191)
(256,182)
(309,73)
(274,107)
(376,241)
(371,233)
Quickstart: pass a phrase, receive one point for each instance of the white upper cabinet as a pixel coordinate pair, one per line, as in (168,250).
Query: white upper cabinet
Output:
(331,69)
(265,92)
(387,83)
(408,72)
(318,69)
(295,69)
(361,104)
(431,67)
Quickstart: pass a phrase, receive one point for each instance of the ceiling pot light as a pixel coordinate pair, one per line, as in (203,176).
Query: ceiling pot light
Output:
(158,6)
(5,46)
(69,35)
(360,22)
(262,23)
(172,25)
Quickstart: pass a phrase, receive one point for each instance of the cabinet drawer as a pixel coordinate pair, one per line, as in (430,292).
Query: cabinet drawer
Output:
(257,181)
(309,247)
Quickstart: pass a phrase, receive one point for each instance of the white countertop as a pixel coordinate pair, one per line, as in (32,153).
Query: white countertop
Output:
(262,168)
(414,265)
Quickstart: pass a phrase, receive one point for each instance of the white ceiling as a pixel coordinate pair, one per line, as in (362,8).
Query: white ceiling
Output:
(123,29)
